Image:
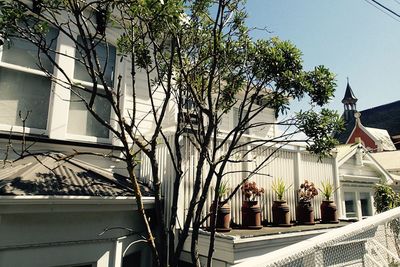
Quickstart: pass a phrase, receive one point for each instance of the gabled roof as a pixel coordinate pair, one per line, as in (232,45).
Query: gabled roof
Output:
(344,151)
(347,151)
(48,175)
(348,129)
(382,137)
(385,117)
(390,160)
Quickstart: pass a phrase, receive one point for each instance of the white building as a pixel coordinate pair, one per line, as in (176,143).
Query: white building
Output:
(51,218)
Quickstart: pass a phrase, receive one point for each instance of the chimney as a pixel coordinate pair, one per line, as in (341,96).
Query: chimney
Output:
(359,155)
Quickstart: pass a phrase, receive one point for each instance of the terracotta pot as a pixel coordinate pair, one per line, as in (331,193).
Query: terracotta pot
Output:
(224,218)
(329,212)
(280,214)
(305,213)
(251,215)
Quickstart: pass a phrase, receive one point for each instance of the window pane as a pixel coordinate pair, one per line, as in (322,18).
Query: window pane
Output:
(365,204)
(25,54)
(81,122)
(106,54)
(24,92)
(350,204)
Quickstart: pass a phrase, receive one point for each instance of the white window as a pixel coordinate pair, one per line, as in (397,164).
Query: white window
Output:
(24,87)
(80,121)
(236,119)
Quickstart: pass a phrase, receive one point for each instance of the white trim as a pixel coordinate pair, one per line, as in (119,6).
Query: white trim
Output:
(88,138)
(20,129)
(352,131)
(23,69)
(49,204)
(234,250)
(316,243)
(359,178)
(69,200)
(371,161)
(88,84)
(377,166)
(349,155)
(358,122)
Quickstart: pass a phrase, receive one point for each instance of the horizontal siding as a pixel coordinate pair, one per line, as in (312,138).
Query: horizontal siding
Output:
(265,130)
(144,113)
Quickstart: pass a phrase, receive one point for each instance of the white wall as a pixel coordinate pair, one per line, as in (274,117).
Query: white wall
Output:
(291,165)
(67,238)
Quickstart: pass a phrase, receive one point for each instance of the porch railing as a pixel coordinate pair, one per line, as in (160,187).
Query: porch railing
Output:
(374,241)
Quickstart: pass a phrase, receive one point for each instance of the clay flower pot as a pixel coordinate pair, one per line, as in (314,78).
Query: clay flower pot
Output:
(280,214)
(251,215)
(223,218)
(329,212)
(305,213)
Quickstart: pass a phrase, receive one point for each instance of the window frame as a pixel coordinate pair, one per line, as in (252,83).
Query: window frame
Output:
(88,85)
(22,69)
(357,192)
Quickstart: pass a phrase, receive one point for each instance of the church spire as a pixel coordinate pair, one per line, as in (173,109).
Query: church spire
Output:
(349,101)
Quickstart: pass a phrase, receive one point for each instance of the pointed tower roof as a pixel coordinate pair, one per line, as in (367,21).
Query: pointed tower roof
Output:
(349,97)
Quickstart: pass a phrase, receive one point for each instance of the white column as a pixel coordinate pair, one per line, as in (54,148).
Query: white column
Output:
(60,96)
(336,184)
(358,205)
(297,172)
(118,252)
(104,260)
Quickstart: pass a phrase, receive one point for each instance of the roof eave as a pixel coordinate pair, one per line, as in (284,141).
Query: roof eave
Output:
(33,204)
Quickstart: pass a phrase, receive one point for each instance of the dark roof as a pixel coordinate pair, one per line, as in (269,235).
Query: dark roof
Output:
(349,96)
(348,128)
(382,117)
(47,175)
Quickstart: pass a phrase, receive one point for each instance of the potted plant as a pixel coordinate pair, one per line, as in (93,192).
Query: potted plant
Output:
(224,210)
(304,209)
(251,211)
(280,210)
(328,207)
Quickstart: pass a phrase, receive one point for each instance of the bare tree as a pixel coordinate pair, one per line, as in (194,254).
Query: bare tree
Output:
(199,57)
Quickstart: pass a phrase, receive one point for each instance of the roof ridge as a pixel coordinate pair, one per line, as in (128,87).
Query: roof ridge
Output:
(380,106)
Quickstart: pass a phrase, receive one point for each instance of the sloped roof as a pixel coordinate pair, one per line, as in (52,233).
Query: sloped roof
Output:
(349,96)
(390,160)
(348,128)
(49,176)
(383,137)
(344,150)
(381,117)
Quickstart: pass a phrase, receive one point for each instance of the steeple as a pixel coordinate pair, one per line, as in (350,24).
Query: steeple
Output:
(349,101)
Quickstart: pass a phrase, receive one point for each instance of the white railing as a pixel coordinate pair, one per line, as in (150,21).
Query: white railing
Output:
(293,165)
(374,241)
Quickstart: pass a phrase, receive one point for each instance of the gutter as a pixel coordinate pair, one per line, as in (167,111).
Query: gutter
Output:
(31,204)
